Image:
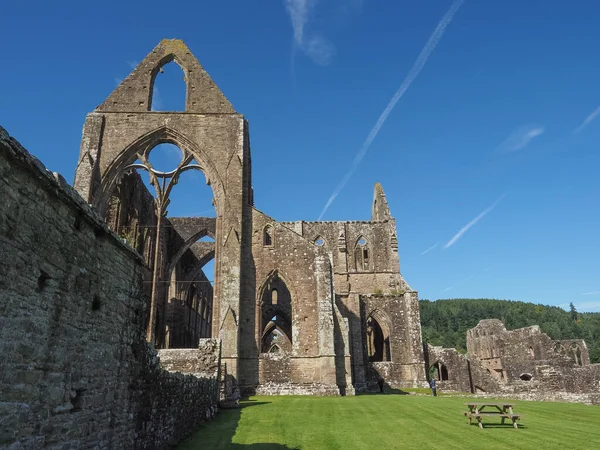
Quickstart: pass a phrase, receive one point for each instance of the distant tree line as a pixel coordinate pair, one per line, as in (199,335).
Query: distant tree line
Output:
(445,322)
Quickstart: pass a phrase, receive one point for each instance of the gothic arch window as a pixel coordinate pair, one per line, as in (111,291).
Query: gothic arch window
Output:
(361,255)
(276,315)
(576,354)
(319,241)
(268,236)
(440,371)
(378,341)
(168,87)
(275,349)
(277,334)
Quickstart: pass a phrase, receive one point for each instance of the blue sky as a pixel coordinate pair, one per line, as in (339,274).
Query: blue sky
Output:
(489,158)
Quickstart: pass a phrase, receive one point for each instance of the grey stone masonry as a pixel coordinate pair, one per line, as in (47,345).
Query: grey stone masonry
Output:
(76,372)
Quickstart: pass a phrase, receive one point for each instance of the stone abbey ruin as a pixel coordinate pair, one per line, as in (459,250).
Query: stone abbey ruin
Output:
(97,276)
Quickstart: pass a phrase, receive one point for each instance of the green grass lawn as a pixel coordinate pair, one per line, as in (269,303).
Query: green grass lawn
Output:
(392,422)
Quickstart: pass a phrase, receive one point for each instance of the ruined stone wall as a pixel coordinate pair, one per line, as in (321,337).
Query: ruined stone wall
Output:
(528,363)
(203,361)
(350,309)
(340,241)
(209,131)
(306,272)
(517,352)
(76,370)
(132,215)
(457,367)
(275,368)
(464,375)
(400,314)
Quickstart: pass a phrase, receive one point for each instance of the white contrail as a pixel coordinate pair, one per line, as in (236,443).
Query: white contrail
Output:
(412,74)
(587,120)
(591,293)
(521,137)
(464,229)
(430,248)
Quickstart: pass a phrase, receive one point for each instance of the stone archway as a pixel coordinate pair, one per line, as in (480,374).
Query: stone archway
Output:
(378,337)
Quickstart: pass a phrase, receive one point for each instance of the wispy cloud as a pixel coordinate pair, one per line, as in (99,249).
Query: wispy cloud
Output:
(412,74)
(591,293)
(132,64)
(589,119)
(464,229)
(521,137)
(316,47)
(118,81)
(430,248)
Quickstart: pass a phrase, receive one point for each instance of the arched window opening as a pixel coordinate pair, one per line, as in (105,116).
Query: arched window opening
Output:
(531,353)
(576,352)
(559,349)
(361,255)
(526,376)
(378,341)
(131,211)
(169,89)
(189,320)
(192,196)
(440,371)
(275,349)
(319,241)
(276,314)
(277,334)
(165,157)
(268,236)
(199,264)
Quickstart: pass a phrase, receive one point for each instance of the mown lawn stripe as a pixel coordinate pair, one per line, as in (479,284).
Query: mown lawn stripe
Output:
(392,422)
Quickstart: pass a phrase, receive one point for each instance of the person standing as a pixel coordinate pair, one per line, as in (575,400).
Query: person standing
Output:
(433,387)
(380,382)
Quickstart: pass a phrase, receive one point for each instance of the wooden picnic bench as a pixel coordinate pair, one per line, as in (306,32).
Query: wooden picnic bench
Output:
(502,410)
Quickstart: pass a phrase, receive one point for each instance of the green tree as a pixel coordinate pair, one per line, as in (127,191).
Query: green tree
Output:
(573,312)
(445,322)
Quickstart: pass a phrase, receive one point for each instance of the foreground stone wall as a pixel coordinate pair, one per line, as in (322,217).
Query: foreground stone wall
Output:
(76,371)
(203,361)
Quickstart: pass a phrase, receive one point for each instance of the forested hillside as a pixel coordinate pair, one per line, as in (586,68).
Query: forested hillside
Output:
(445,322)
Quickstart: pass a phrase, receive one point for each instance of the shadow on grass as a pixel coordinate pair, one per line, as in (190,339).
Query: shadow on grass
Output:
(218,434)
(387,389)
(499,425)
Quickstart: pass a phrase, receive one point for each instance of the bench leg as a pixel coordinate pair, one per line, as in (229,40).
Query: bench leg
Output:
(480,424)
(515,423)
(503,421)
